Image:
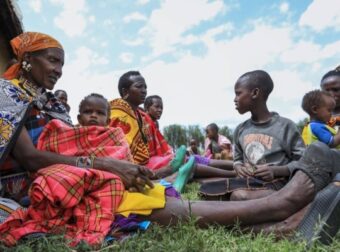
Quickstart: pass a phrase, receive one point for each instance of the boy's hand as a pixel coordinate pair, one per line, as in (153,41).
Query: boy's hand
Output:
(265,172)
(243,170)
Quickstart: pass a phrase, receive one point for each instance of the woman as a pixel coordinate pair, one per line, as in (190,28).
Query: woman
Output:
(126,114)
(26,107)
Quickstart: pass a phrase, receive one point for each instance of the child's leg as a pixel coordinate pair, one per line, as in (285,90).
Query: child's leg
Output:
(222,164)
(203,171)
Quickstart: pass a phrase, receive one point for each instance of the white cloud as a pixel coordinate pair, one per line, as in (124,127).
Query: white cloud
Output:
(126,57)
(92,19)
(166,25)
(322,14)
(35,5)
(142,2)
(307,52)
(284,7)
(108,22)
(135,16)
(136,42)
(73,17)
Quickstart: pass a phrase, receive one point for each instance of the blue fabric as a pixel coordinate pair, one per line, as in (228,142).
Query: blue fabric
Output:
(320,130)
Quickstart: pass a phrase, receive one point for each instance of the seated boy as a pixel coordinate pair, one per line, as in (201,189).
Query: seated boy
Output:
(319,105)
(262,143)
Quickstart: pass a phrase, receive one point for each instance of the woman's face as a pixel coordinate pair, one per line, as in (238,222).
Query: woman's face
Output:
(137,91)
(46,65)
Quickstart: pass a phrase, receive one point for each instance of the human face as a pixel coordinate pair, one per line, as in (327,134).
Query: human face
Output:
(137,91)
(243,97)
(332,85)
(211,133)
(323,113)
(62,97)
(46,65)
(156,109)
(94,111)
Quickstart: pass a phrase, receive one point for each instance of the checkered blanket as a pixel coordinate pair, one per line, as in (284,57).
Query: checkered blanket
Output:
(65,199)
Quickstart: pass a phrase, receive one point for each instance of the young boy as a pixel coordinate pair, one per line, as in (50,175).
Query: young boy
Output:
(319,105)
(153,106)
(262,143)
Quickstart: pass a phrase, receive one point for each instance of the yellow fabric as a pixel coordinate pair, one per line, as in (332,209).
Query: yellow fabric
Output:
(142,203)
(124,117)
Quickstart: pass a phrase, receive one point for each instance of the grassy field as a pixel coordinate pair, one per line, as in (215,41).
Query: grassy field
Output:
(184,237)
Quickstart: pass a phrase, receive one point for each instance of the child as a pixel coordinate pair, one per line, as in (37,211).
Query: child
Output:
(193,148)
(153,106)
(319,105)
(263,142)
(94,109)
(216,146)
(61,95)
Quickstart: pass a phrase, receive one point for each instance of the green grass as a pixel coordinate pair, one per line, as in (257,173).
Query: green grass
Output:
(184,237)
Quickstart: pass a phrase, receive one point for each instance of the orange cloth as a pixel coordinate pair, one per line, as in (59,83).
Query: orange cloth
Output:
(28,42)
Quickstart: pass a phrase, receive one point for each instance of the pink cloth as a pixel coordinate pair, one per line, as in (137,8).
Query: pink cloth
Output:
(223,142)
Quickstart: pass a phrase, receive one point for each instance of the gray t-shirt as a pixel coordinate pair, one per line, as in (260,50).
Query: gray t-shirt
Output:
(276,142)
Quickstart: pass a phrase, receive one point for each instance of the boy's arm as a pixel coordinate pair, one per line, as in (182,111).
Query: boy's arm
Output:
(239,166)
(323,134)
(268,173)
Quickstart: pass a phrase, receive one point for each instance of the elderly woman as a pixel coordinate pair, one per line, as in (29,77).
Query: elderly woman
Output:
(26,106)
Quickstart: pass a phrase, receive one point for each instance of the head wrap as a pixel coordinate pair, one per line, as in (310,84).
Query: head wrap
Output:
(28,42)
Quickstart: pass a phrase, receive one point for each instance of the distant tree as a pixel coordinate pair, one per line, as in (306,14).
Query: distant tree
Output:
(195,132)
(300,124)
(226,131)
(176,135)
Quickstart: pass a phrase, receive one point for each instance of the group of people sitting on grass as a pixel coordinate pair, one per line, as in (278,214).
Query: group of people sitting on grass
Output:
(112,170)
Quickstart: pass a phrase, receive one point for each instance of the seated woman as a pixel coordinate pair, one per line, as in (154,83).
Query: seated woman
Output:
(26,107)
(217,146)
(126,114)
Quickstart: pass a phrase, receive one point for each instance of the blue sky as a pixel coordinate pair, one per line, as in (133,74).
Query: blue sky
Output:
(191,52)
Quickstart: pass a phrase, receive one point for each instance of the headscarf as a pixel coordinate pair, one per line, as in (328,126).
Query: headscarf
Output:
(28,42)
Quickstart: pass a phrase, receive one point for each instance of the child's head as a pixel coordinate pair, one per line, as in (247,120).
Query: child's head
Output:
(193,143)
(330,82)
(212,131)
(153,105)
(61,95)
(252,88)
(319,105)
(94,109)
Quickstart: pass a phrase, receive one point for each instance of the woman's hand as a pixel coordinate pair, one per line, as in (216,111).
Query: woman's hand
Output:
(134,177)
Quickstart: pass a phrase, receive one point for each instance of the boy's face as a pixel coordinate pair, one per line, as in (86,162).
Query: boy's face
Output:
(156,109)
(94,111)
(332,85)
(243,97)
(324,112)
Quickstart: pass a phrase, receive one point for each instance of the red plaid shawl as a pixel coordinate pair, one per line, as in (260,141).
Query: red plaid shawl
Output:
(81,202)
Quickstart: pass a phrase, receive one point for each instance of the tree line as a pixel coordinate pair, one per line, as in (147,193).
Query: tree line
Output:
(176,134)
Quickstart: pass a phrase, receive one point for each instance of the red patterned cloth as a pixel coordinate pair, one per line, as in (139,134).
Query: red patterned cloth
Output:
(158,146)
(84,141)
(80,202)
